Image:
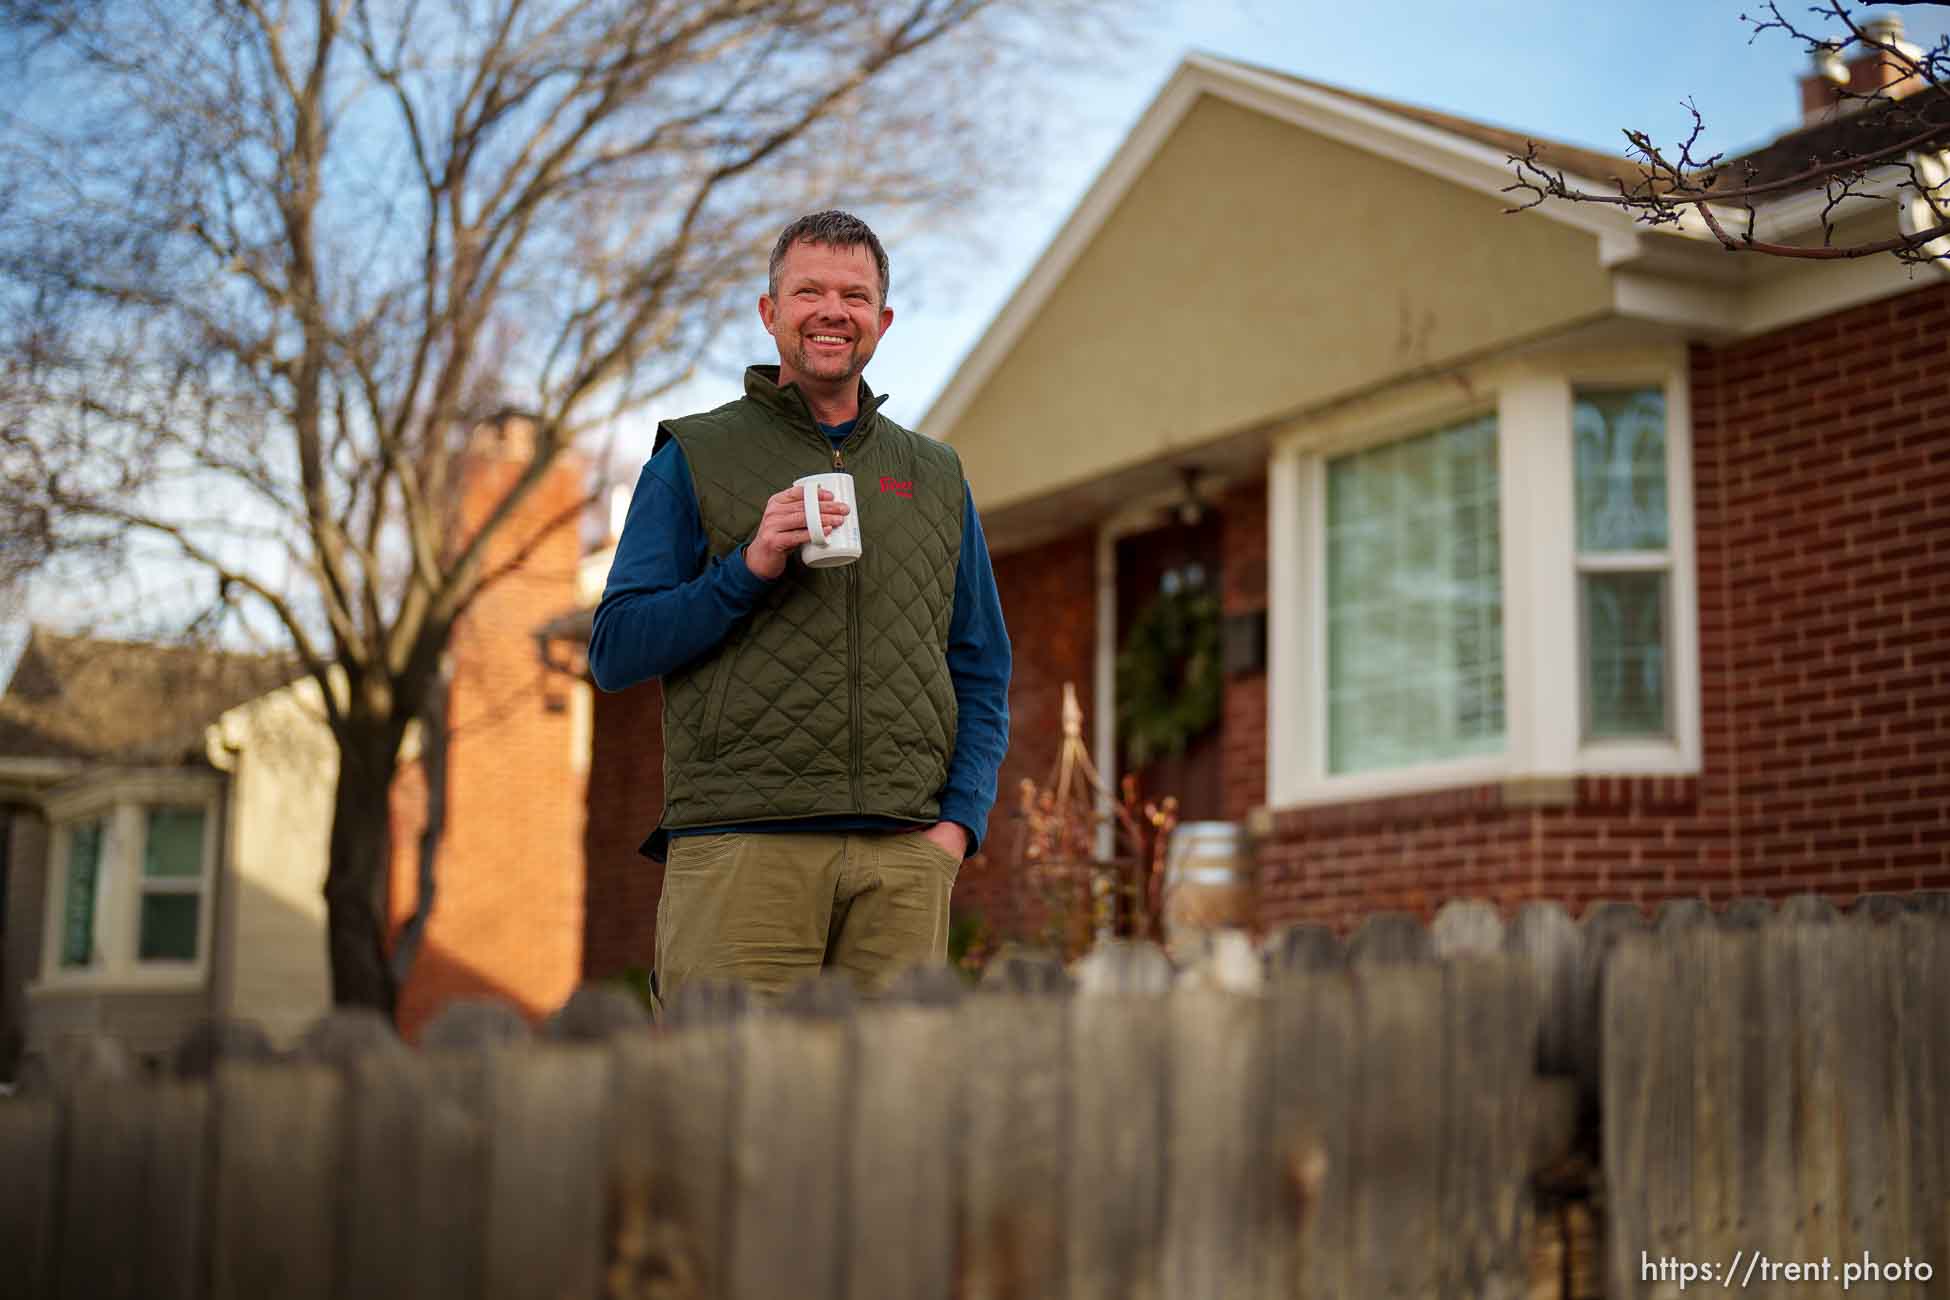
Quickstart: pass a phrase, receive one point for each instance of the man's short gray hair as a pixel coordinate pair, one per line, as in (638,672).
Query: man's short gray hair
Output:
(833,229)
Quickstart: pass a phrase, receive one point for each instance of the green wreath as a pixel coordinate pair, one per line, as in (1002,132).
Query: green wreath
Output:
(1169,684)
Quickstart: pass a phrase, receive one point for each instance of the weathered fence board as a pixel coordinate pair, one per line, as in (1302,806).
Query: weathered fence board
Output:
(672,1113)
(1489,1107)
(379,1219)
(1217,1146)
(1716,1026)
(900,1183)
(1465,926)
(450,1174)
(1922,963)
(1874,1208)
(1667,1123)
(788,1157)
(1369,1129)
(547,1157)
(176,1226)
(277,1169)
(1390,939)
(1599,930)
(1012,1056)
(1780,1091)
(1314,1074)
(1397,1218)
(1629,1064)
(1545,939)
(29,1152)
(107,1164)
(1118,1130)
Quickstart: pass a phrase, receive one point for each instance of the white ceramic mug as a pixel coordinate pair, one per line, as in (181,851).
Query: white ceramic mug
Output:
(830,548)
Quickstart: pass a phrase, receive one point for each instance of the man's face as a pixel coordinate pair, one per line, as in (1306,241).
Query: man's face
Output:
(828,316)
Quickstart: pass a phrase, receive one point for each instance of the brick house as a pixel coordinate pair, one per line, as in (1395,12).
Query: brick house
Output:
(1561,558)
(165,813)
(162,840)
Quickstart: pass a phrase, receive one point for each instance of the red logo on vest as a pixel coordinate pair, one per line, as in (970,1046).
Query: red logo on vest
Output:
(899,487)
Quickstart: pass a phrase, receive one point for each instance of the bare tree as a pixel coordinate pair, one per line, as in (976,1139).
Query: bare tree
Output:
(294,249)
(1884,141)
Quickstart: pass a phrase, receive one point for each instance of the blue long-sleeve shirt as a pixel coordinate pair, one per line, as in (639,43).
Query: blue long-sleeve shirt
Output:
(667,602)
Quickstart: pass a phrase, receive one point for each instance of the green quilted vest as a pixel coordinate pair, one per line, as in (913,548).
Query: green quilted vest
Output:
(832,696)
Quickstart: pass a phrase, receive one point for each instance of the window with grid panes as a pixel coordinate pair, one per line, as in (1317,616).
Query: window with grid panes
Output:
(82,891)
(1414,601)
(172,884)
(1624,562)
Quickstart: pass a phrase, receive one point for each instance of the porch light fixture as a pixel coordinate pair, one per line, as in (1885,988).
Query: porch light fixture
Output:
(1191,510)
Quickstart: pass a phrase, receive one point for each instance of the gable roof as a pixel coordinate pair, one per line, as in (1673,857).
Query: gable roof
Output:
(78,697)
(1592,164)
(1474,155)
(1874,128)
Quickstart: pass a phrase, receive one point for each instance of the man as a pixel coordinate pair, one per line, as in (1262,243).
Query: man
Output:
(831,735)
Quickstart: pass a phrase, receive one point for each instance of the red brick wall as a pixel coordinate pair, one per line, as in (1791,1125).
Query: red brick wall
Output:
(1244,716)
(1833,445)
(1049,601)
(1822,496)
(626,797)
(507,919)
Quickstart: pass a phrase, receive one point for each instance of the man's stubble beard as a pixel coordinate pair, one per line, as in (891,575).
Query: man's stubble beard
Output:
(856,364)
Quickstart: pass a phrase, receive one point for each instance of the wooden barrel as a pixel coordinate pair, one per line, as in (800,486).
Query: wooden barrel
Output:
(1208,881)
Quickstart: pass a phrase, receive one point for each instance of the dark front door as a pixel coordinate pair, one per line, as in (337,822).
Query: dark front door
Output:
(1149,563)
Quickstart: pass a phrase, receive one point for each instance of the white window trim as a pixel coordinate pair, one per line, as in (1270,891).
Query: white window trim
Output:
(122,798)
(1542,656)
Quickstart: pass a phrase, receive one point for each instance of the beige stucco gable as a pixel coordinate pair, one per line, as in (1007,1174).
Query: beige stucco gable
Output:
(1252,269)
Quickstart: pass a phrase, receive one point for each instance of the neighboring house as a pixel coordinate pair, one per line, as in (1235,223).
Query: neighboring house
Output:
(1561,558)
(165,809)
(167,814)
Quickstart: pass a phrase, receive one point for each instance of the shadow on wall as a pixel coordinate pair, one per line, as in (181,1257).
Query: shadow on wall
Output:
(439,978)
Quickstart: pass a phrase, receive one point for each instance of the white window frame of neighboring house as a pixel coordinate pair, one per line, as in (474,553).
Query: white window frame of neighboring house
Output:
(122,799)
(1543,655)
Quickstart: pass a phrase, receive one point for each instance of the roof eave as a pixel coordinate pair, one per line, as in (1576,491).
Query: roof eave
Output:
(1465,162)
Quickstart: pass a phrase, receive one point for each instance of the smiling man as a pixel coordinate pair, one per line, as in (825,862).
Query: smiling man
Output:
(831,735)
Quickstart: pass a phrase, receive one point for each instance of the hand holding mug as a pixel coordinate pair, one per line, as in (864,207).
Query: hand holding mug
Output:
(828,547)
(783,528)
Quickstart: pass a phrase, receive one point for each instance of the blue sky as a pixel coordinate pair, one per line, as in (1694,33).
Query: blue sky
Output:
(1571,71)
(1577,72)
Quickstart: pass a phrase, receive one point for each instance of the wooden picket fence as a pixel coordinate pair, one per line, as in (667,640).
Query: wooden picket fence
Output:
(1781,1097)
(1375,1119)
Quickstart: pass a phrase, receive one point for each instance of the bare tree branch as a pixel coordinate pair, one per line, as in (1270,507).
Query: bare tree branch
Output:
(1879,151)
(276,262)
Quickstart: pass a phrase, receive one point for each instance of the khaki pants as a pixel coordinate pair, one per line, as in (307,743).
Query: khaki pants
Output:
(771,910)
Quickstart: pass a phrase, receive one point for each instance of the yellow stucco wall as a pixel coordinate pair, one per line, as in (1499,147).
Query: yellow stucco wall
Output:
(272,965)
(1254,269)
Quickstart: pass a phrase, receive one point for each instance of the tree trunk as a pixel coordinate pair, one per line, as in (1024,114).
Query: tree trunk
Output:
(357,871)
(433,765)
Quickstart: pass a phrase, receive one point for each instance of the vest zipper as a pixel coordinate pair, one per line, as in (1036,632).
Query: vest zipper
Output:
(853,681)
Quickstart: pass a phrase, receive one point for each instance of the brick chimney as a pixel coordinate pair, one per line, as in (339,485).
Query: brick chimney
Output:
(1866,72)
(507,921)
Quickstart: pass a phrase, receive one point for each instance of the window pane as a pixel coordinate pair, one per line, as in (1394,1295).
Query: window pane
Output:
(169,927)
(1415,601)
(174,846)
(1621,467)
(1625,654)
(84,881)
